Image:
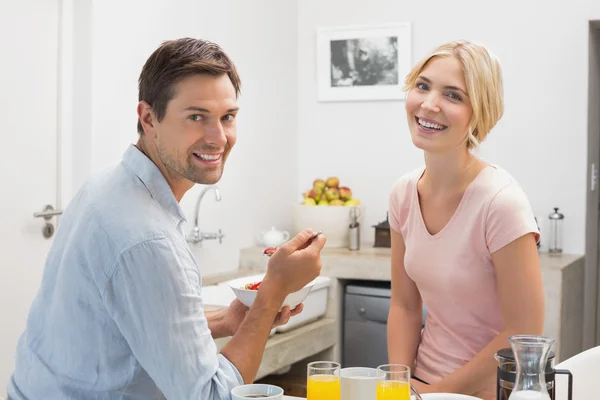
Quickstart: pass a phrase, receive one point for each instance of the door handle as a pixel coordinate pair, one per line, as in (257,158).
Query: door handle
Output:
(47,213)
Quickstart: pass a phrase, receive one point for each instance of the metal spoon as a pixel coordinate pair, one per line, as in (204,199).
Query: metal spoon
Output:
(415,393)
(313,237)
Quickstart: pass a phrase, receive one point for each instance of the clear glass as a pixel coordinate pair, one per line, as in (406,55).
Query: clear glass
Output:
(323,381)
(505,387)
(395,384)
(531,356)
(555,242)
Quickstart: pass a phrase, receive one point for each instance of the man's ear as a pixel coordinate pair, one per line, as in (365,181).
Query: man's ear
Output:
(146,118)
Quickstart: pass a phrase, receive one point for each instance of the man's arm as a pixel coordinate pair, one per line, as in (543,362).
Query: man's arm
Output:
(216,324)
(225,322)
(291,267)
(154,297)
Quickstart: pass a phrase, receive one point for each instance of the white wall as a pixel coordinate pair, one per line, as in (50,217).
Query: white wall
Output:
(260,177)
(541,139)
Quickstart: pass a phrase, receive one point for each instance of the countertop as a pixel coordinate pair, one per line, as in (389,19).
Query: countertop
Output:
(368,263)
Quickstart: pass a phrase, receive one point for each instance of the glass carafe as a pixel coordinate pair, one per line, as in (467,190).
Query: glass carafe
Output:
(531,355)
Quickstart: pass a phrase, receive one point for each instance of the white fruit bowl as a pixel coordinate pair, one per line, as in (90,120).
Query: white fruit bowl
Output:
(247,297)
(333,221)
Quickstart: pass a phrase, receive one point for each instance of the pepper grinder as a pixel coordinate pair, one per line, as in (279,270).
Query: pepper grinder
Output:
(354,230)
(556,234)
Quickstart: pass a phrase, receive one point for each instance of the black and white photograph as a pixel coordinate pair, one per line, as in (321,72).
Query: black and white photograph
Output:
(363,63)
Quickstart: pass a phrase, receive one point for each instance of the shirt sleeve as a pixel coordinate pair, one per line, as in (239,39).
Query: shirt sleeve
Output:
(398,205)
(509,217)
(154,298)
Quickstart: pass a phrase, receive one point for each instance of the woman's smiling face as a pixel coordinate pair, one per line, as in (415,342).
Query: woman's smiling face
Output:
(438,107)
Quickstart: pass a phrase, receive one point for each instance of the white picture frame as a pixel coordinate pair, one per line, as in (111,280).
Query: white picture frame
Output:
(357,63)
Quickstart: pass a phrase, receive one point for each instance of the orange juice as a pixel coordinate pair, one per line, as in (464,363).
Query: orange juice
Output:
(393,390)
(323,387)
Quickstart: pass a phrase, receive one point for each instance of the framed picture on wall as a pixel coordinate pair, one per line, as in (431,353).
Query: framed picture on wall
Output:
(363,62)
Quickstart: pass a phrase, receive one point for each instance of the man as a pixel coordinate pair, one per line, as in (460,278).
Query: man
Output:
(119,314)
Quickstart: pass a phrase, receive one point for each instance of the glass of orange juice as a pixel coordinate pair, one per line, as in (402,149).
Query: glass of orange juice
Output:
(323,381)
(395,384)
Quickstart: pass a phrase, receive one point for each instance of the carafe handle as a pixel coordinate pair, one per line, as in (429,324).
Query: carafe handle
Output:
(565,372)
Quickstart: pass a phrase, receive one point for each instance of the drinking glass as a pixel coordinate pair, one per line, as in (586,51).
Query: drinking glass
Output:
(395,384)
(323,381)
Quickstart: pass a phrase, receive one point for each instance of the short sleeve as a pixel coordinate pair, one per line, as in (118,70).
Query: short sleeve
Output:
(397,203)
(509,217)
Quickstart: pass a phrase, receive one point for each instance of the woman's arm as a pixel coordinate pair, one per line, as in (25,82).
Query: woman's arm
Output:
(406,310)
(519,282)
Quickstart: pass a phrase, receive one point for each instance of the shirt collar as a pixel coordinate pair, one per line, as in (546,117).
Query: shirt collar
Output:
(138,163)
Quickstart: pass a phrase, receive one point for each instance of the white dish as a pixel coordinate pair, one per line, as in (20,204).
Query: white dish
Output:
(247,297)
(217,297)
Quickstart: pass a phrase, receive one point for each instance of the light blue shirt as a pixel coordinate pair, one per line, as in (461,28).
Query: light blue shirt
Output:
(119,314)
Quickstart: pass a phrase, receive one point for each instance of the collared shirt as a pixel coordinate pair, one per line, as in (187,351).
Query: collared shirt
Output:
(119,314)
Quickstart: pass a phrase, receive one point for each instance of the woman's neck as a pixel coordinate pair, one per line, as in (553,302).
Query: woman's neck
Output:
(447,170)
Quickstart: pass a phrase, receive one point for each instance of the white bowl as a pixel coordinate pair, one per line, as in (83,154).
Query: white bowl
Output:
(247,296)
(269,392)
(447,396)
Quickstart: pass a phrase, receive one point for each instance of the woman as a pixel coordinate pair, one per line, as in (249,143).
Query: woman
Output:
(463,233)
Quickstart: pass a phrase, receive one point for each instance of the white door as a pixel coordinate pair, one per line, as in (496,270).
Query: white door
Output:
(28,163)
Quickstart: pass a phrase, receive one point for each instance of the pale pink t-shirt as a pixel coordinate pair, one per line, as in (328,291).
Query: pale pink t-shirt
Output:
(453,269)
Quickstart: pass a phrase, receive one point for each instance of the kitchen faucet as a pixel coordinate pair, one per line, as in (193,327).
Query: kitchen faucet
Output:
(195,236)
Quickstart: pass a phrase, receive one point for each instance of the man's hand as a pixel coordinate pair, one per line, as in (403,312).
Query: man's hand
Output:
(293,265)
(285,314)
(236,312)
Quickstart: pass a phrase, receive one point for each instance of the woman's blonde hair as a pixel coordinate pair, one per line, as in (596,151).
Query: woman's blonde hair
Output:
(483,77)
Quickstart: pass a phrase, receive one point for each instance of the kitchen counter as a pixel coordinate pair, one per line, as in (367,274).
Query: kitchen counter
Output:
(369,263)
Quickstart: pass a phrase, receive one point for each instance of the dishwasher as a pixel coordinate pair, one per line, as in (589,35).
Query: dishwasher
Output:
(366,307)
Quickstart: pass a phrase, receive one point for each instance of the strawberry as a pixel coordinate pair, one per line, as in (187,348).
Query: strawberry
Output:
(269,251)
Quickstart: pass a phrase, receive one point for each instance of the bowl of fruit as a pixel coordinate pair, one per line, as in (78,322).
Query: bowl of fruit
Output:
(327,207)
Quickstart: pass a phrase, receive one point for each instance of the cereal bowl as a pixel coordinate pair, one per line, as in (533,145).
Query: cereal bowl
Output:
(247,296)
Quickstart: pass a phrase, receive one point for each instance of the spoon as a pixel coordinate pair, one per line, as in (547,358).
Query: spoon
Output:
(415,393)
(270,250)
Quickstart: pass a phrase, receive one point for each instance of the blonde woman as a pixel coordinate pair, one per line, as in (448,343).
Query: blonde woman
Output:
(463,233)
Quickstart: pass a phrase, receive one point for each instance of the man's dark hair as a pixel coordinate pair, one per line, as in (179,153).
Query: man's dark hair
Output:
(176,60)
